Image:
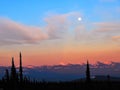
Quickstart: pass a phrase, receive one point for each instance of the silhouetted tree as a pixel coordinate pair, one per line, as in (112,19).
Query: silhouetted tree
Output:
(13,71)
(87,72)
(30,84)
(20,68)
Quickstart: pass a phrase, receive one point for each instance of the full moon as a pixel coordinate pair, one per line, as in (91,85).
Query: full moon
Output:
(79,19)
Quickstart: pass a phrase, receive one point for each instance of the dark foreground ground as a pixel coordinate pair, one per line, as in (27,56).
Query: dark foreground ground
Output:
(81,85)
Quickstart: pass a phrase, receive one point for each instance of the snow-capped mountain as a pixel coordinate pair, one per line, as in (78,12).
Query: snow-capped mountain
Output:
(67,72)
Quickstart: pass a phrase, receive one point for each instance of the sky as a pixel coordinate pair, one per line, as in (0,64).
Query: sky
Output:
(50,32)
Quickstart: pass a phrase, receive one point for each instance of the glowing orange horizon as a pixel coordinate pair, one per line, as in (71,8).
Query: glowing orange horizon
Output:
(60,58)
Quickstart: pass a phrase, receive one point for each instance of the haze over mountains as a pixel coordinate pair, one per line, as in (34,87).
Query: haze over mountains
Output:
(67,72)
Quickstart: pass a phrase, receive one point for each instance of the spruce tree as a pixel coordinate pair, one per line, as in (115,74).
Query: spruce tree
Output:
(87,72)
(20,68)
(13,71)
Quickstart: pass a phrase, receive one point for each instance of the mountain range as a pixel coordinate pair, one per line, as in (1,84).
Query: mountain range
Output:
(67,72)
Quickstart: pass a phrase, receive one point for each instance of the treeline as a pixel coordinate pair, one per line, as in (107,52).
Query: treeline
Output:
(77,85)
(14,80)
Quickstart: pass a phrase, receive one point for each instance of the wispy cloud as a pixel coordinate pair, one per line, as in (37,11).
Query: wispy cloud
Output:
(107,26)
(100,32)
(58,24)
(15,33)
(116,38)
(12,32)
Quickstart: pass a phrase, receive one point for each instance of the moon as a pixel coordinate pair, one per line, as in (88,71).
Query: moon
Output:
(79,19)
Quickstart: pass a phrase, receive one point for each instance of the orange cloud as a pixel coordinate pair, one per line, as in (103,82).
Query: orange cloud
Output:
(116,38)
(107,26)
(99,34)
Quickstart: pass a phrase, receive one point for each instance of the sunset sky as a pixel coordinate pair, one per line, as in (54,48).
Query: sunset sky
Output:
(50,32)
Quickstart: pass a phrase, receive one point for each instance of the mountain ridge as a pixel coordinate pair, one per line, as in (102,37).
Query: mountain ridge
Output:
(67,72)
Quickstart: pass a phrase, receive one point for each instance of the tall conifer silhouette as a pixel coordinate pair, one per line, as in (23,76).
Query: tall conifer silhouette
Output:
(13,71)
(20,68)
(87,72)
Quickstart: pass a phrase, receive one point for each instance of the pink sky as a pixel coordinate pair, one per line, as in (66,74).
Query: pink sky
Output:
(59,37)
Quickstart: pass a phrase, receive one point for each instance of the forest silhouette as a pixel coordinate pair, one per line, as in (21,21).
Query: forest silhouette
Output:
(15,80)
